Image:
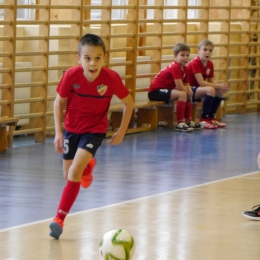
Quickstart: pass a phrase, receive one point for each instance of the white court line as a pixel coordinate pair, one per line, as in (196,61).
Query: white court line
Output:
(133,200)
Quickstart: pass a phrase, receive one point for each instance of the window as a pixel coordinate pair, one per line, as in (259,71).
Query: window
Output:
(22,14)
(26,14)
(121,14)
(1,10)
(95,14)
(193,13)
(116,14)
(172,14)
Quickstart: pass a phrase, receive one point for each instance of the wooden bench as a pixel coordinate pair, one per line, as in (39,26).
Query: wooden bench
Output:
(5,141)
(144,117)
(151,114)
(167,114)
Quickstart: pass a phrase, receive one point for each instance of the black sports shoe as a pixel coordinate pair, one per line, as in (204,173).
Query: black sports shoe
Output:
(195,126)
(182,127)
(254,214)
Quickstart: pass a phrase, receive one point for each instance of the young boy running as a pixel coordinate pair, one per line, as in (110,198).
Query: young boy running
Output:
(89,88)
(201,78)
(171,84)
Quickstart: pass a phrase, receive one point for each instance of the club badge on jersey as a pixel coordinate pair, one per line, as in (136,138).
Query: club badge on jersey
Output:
(102,89)
(76,86)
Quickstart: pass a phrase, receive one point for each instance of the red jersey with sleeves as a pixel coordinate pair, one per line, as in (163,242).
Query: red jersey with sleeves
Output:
(165,78)
(196,66)
(88,102)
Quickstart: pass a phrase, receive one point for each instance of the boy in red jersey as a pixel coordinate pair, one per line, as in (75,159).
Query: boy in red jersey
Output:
(171,84)
(88,88)
(201,78)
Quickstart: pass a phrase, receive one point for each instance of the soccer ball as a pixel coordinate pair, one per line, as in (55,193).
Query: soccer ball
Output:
(117,244)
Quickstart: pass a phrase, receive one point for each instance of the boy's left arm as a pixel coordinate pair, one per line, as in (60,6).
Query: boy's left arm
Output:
(180,85)
(183,86)
(118,137)
(221,86)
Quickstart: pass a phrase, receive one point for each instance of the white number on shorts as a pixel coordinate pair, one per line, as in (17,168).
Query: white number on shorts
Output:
(66,146)
(164,90)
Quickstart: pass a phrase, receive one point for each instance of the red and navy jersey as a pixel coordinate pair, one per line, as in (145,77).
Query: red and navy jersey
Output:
(165,78)
(196,66)
(88,102)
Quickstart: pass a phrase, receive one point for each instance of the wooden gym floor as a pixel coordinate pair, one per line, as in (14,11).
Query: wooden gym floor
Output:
(180,195)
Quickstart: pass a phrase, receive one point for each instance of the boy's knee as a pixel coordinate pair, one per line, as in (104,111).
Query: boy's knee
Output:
(211,91)
(219,94)
(75,173)
(183,95)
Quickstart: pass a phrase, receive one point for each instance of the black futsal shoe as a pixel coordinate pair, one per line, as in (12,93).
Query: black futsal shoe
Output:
(254,214)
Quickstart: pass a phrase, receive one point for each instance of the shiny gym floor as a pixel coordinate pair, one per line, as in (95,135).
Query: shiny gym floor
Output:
(180,195)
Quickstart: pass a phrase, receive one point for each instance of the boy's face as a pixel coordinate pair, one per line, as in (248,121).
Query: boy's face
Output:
(92,59)
(182,58)
(205,52)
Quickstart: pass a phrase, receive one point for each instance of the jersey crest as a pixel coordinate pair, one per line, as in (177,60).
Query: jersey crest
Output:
(76,86)
(208,71)
(102,89)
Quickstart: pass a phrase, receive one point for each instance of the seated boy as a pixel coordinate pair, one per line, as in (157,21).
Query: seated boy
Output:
(201,78)
(171,83)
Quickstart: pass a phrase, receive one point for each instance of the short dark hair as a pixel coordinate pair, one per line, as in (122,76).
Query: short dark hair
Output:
(180,47)
(206,43)
(91,40)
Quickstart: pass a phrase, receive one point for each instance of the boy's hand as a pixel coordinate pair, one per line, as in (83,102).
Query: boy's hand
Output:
(116,139)
(224,87)
(189,92)
(58,142)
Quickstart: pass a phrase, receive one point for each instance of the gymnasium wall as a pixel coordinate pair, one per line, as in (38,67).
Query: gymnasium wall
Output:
(35,53)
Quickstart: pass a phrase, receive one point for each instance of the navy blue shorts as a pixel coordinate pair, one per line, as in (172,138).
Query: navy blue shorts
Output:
(88,141)
(194,89)
(163,94)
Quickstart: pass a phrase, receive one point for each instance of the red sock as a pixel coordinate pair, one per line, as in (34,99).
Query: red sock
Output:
(69,195)
(188,111)
(180,110)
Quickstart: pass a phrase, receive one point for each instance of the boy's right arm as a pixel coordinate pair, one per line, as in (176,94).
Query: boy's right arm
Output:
(58,112)
(127,113)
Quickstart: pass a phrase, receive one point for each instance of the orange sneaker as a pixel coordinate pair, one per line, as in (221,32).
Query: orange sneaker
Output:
(56,227)
(87,176)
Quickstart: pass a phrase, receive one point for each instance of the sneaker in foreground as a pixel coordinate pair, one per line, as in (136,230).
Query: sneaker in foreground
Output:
(87,176)
(56,227)
(195,126)
(217,123)
(182,127)
(254,214)
(208,124)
